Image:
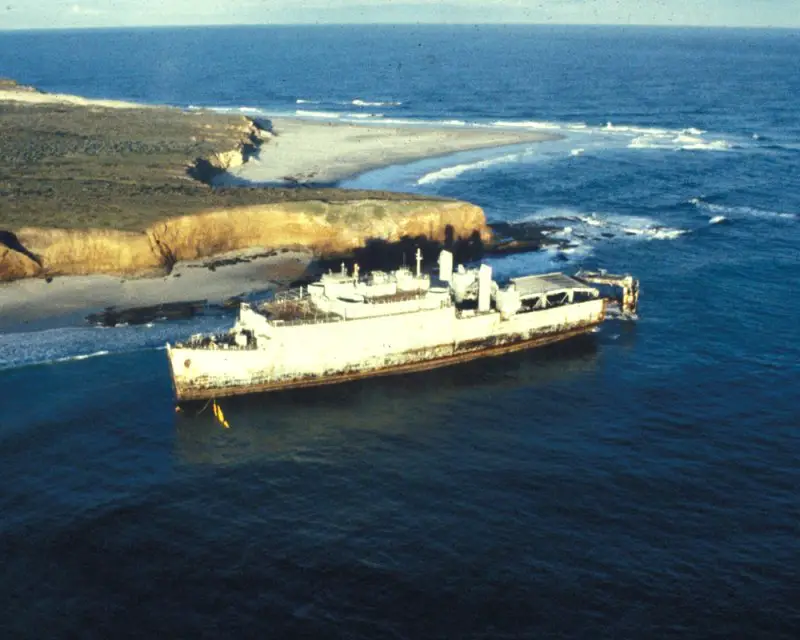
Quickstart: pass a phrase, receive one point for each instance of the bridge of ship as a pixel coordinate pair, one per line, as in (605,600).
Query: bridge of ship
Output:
(340,296)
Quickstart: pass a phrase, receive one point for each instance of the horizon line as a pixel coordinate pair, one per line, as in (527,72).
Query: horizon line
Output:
(404,24)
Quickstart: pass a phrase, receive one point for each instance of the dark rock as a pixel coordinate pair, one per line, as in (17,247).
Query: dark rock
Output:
(112,316)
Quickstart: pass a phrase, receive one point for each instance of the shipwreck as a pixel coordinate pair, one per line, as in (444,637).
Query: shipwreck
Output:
(349,325)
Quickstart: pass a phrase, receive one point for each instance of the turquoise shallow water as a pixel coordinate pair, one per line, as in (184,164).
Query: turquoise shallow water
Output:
(641,483)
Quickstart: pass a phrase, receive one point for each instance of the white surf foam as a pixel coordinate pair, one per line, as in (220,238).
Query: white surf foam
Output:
(681,141)
(577,152)
(367,103)
(638,130)
(633,136)
(75,344)
(527,124)
(303,101)
(721,210)
(655,232)
(84,356)
(711,145)
(363,116)
(318,114)
(249,110)
(596,227)
(448,173)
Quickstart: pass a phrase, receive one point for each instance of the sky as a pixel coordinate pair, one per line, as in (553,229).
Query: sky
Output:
(59,14)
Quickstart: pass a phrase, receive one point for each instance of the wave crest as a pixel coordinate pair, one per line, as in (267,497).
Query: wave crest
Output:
(318,114)
(366,103)
(596,226)
(448,173)
(724,211)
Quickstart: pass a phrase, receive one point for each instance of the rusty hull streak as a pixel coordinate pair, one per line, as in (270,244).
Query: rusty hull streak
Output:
(468,351)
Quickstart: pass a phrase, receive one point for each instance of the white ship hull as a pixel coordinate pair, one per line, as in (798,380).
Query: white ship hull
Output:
(313,354)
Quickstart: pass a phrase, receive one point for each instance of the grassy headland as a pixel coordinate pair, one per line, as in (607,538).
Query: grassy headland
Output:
(97,186)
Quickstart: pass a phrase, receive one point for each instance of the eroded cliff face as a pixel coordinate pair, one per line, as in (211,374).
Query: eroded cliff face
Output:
(15,265)
(253,134)
(323,227)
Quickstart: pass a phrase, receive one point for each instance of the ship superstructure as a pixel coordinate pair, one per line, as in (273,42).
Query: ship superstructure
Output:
(347,326)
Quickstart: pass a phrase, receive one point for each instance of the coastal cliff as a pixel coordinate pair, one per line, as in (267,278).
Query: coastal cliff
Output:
(323,227)
(253,134)
(119,188)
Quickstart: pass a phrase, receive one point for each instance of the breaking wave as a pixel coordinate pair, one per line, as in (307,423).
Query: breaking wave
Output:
(571,236)
(363,116)
(356,102)
(366,103)
(74,344)
(317,114)
(448,173)
(726,211)
(682,141)
(571,225)
(637,137)
(531,124)
(85,356)
(245,109)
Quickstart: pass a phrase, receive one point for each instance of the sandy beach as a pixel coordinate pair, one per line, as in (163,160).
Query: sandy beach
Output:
(11,91)
(35,303)
(307,151)
(311,152)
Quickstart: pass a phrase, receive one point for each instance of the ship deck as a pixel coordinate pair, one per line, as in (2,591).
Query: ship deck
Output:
(549,284)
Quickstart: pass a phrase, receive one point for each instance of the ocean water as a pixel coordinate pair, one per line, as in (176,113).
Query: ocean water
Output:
(641,483)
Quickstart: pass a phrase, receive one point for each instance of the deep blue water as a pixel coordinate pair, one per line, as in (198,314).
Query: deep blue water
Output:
(642,483)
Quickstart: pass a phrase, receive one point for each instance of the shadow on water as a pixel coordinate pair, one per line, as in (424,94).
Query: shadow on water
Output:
(280,423)
(380,254)
(384,255)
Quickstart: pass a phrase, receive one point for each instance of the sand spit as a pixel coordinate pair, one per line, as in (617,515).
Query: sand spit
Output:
(306,152)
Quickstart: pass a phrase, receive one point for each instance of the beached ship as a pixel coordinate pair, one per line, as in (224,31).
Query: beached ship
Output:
(347,326)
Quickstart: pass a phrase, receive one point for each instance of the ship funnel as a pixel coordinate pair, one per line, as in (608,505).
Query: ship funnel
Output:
(445,266)
(484,288)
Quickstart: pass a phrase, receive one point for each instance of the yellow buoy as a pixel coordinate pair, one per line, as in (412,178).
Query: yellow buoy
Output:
(219,415)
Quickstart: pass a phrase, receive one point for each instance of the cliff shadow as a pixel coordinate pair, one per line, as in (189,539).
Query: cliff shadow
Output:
(382,255)
(10,241)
